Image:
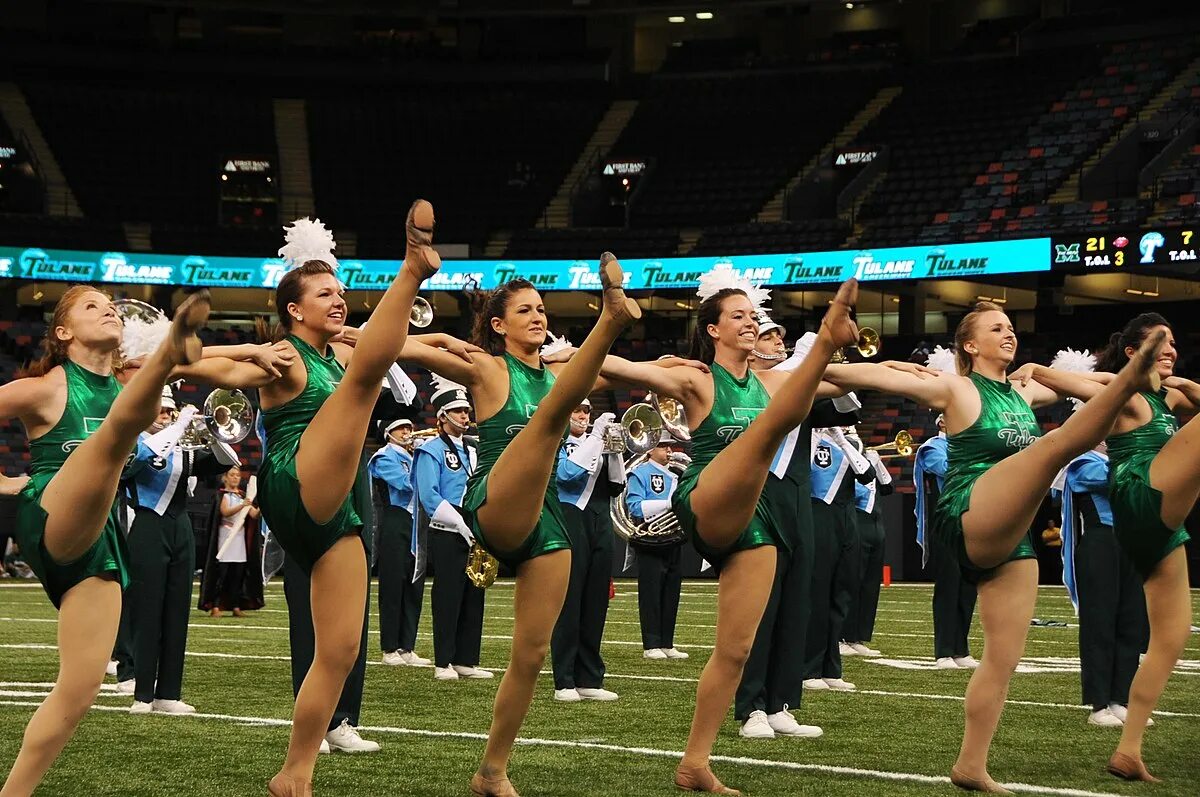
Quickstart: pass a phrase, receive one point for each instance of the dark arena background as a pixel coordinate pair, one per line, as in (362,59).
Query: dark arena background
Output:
(1040,154)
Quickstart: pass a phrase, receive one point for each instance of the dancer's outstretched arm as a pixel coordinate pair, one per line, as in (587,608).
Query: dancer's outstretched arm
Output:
(682,382)
(935,391)
(1184,394)
(1070,384)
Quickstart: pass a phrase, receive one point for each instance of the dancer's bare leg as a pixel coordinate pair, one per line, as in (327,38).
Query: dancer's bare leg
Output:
(517,482)
(728,488)
(540,591)
(1005,499)
(337,627)
(87,628)
(1006,602)
(1169,606)
(742,593)
(327,460)
(1175,472)
(80,496)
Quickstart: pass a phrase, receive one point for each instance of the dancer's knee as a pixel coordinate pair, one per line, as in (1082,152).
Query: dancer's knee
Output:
(337,658)
(732,655)
(527,659)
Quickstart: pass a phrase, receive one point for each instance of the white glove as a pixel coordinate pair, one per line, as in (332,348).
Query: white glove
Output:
(881,471)
(163,441)
(653,507)
(847,403)
(601,423)
(587,454)
(858,463)
(446,518)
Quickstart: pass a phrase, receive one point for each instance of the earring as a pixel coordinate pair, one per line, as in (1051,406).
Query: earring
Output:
(299,318)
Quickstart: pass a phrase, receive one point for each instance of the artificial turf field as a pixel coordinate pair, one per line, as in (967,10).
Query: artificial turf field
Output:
(897,735)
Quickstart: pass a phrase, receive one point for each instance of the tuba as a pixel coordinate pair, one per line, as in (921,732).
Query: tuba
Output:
(660,530)
(422,313)
(643,423)
(227,417)
(482,568)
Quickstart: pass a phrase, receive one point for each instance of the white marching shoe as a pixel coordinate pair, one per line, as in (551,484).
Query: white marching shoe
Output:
(471,672)
(345,738)
(784,724)
(945,663)
(966,662)
(1122,713)
(140,707)
(1105,718)
(445,674)
(567,695)
(172,707)
(654,653)
(839,685)
(846,649)
(411,658)
(126,687)
(602,695)
(324,749)
(862,650)
(815,683)
(756,727)
(673,653)
(111,669)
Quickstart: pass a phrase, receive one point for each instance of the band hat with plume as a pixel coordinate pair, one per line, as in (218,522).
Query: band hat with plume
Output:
(1080,362)
(766,324)
(168,398)
(307,239)
(942,359)
(722,277)
(448,395)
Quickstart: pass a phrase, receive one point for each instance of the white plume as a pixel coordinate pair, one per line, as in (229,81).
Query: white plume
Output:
(307,239)
(942,359)
(1076,361)
(442,384)
(723,276)
(142,337)
(555,344)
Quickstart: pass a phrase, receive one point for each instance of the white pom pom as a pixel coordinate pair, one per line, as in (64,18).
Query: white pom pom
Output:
(307,239)
(555,344)
(1076,361)
(722,276)
(942,359)
(140,338)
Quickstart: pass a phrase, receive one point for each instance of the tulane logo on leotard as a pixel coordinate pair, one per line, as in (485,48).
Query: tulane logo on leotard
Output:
(513,428)
(90,425)
(1018,434)
(728,434)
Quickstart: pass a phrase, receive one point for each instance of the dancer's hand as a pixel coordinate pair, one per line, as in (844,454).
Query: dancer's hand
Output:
(1023,375)
(910,368)
(272,356)
(348,336)
(11,485)
(463,350)
(560,356)
(671,361)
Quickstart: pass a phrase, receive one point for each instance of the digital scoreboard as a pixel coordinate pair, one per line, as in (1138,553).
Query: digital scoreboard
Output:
(1165,250)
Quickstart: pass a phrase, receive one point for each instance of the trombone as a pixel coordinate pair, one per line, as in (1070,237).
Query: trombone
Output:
(903,445)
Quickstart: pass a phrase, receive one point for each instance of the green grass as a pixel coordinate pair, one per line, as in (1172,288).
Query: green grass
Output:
(907,732)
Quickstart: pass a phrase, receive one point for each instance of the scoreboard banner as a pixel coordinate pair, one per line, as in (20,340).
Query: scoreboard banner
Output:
(980,259)
(1163,251)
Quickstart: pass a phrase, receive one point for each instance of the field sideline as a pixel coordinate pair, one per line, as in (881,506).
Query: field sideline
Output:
(897,735)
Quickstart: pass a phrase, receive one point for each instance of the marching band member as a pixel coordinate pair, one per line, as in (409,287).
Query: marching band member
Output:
(587,479)
(1104,585)
(66,523)
(223,583)
(720,499)
(1154,482)
(836,465)
(1000,470)
(441,468)
(660,578)
(860,621)
(162,556)
(511,503)
(771,685)
(400,595)
(953,596)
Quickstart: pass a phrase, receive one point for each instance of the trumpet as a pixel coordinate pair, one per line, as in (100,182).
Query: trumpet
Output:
(227,417)
(422,313)
(482,568)
(867,345)
(903,445)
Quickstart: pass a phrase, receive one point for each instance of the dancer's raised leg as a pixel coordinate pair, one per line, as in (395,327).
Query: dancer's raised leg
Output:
(516,484)
(1006,498)
(87,626)
(728,488)
(80,496)
(742,594)
(541,588)
(327,460)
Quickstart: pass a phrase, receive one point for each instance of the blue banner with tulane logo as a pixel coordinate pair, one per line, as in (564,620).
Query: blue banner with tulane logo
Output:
(986,258)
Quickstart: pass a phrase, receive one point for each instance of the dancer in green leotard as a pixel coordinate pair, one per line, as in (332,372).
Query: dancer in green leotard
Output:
(1154,482)
(82,427)
(736,416)
(511,504)
(999,471)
